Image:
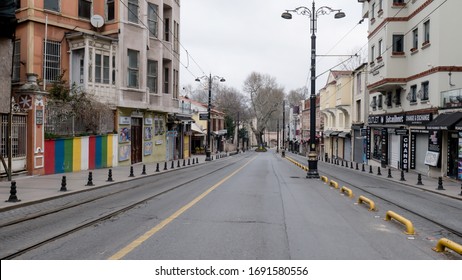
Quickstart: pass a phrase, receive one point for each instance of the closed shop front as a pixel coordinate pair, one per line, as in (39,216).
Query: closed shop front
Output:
(394,150)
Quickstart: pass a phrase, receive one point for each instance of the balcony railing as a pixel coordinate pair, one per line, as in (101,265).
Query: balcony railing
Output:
(451,98)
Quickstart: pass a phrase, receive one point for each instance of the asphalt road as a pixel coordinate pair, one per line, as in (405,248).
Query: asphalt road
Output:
(255,206)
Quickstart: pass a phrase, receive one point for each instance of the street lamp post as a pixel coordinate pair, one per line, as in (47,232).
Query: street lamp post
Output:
(209,107)
(313,14)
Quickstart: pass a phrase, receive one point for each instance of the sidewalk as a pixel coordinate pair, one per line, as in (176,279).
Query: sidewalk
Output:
(451,187)
(33,189)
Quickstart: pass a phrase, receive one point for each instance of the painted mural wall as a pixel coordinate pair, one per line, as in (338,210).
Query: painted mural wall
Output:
(80,153)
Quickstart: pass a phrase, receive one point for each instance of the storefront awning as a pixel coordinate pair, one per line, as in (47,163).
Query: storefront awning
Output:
(344,135)
(196,128)
(220,132)
(446,121)
(327,133)
(334,133)
(459,126)
(181,118)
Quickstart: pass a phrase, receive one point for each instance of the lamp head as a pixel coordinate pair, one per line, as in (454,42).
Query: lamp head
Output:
(222,80)
(197,80)
(339,14)
(286,15)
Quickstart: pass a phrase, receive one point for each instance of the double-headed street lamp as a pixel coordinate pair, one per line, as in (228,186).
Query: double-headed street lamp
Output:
(210,79)
(313,14)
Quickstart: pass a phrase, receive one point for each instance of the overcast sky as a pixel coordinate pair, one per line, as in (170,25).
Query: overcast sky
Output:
(234,38)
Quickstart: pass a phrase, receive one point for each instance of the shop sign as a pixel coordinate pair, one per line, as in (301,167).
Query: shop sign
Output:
(434,141)
(384,136)
(413,149)
(394,119)
(203,116)
(39,117)
(401,131)
(405,153)
(368,138)
(418,119)
(125,120)
(376,120)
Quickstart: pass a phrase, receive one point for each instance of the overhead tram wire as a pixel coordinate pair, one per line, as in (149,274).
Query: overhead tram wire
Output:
(181,45)
(389,47)
(161,41)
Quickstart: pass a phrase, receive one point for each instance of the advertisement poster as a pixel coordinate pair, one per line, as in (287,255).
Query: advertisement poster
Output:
(147,133)
(147,148)
(124,152)
(124,134)
(460,146)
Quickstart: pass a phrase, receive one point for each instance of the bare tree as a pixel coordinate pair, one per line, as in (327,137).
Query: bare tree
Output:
(266,97)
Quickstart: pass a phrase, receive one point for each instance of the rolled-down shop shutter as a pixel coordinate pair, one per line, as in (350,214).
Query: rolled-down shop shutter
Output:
(421,149)
(395,147)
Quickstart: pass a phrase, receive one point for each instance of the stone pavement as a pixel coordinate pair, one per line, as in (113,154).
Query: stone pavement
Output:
(34,189)
(450,187)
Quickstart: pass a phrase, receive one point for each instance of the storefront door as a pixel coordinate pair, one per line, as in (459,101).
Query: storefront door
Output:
(453,155)
(137,140)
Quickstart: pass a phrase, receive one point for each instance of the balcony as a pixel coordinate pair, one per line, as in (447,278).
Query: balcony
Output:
(451,98)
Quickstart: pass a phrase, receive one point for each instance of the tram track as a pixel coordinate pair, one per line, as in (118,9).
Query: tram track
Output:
(331,173)
(213,168)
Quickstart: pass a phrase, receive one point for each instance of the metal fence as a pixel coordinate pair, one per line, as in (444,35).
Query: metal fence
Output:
(19,136)
(61,121)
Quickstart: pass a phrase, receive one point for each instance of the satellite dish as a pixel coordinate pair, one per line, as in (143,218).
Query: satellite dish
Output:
(97,21)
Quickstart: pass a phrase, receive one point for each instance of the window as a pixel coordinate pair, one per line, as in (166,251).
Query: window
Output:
(380,102)
(152,19)
(374,103)
(18,4)
(85,9)
(110,10)
(176,32)
(133,7)
(175,83)
(152,76)
(372,54)
(51,60)
(167,30)
(398,2)
(380,49)
(398,44)
(18,135)
(415,39)
(51,5)
(16,61)
(101,69)
(426,32)
(424,94)
(373,11)
(413,94)
(380,5)
(397,99)
(388,99)
(133,68)
(113,70)
(166,79)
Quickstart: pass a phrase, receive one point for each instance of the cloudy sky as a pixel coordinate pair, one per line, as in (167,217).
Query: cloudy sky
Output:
(234,38)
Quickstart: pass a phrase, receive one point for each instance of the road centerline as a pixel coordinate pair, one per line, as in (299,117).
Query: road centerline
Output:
(137,242)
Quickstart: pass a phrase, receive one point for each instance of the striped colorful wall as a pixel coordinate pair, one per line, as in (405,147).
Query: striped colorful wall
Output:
(80,153)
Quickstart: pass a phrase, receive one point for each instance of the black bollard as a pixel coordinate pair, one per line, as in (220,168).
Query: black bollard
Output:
(13,197)
(370,169)
(440,184)
(131,172)
(460,190)
(157,168)
(189,161)
(419,179)
(63,184)
(351,165)
(378,171)
(109,176)
(165,166)
(389,173)
(363,169)
(197,160)
(143,172)
(173,165)
(178,163)
(402,176)
(357,166)
(90,179)
(342,163)
(184,162)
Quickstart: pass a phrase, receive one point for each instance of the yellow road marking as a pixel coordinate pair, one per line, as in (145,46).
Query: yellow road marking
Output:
(137,242)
